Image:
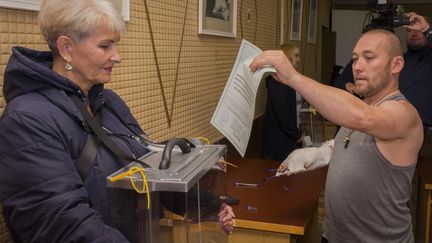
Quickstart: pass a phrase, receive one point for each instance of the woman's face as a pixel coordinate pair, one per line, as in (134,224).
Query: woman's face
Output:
(93,58)
(295,56)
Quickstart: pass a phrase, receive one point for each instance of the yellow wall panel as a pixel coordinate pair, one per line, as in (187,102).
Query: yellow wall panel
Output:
(195,66)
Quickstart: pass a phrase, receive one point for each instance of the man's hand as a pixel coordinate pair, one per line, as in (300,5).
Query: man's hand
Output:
(417,22)
(285,72)
(226,218)
(304,159)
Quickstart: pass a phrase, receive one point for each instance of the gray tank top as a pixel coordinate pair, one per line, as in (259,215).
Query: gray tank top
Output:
(365,195)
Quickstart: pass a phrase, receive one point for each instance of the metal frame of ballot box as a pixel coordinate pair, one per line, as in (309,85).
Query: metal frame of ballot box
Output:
(312,124)
(194,179)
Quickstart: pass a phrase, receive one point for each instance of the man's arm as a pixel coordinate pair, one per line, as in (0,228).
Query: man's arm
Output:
(336,105)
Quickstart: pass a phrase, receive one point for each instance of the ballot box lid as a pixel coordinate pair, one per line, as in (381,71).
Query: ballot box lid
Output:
(184,171)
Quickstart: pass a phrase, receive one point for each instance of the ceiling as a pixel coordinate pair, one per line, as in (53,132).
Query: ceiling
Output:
(366,2)
(422,7)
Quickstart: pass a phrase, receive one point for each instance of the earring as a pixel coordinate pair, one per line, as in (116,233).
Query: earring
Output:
(68,67)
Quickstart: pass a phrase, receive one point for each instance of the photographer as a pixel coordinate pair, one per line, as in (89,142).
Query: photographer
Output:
(419,23)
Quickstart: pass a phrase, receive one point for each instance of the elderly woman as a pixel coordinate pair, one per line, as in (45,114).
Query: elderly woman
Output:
(42,133)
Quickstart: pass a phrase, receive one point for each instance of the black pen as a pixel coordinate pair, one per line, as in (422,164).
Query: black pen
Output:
(287,189)
(270,177)
(271,170)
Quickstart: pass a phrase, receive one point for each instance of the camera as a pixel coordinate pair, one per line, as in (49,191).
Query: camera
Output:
(386,15)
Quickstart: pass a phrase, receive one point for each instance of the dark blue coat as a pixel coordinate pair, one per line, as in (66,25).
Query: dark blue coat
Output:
(415,82)
(41,136)
(280,122)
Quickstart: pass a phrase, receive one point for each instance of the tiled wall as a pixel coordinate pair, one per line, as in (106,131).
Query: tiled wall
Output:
(203,68)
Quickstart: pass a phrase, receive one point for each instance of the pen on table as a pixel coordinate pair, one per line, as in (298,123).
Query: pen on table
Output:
(250,208)
(241,184)
(271,170)
(287,189)
(270,177)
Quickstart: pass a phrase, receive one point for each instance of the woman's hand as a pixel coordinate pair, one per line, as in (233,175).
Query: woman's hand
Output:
(226,218)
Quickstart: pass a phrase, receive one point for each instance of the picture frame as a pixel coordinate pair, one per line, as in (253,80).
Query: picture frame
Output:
(312,23)
(296,19)
(218,17)
(283,22)
(123,6)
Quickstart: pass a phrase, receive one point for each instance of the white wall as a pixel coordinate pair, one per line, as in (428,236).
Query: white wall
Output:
(348,25)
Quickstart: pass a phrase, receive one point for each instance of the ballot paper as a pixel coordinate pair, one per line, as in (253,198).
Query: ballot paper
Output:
(234,113)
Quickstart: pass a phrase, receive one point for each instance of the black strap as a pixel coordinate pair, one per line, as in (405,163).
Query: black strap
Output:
(88,155)
(97,130)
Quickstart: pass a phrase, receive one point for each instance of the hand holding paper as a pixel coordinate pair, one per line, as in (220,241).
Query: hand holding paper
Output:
(277,60)
(234,114)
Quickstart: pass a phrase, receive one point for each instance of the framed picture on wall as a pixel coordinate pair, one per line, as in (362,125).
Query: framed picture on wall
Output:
(217,17)
(34,5)
(313,10)
(283,22)
(296,19)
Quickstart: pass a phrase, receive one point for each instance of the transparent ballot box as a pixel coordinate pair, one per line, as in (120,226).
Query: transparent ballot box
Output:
(312,124)
(176,199)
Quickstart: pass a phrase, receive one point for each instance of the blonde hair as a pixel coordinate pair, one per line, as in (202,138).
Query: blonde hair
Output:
(288,49)
(76,19)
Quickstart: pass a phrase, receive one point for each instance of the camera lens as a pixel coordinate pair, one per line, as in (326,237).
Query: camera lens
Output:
(400,20)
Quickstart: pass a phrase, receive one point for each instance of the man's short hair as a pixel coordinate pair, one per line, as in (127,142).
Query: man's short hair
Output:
(395,47)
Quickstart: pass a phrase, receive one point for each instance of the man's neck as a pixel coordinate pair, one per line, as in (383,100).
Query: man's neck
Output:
(378,98)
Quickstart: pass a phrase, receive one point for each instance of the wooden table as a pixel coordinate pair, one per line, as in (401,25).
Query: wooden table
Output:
(280,214)
(425,197)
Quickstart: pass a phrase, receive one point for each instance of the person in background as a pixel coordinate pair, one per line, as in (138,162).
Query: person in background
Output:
(375,152)
(421,24)
(282,118)
(414,81)
(345,80)
(42,134)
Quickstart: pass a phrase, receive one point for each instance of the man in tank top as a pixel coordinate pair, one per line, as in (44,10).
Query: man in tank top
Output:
(375,152)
